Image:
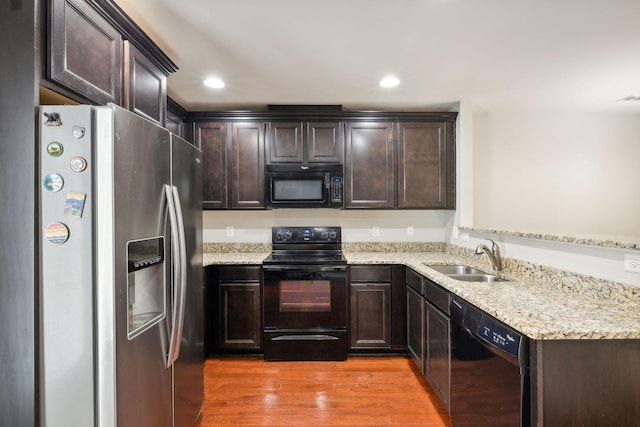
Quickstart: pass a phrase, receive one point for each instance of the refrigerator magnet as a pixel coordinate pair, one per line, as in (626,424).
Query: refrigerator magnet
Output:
(78,164)
(78,132)
(53,182)
(56,233)
(55,149)
(74,205)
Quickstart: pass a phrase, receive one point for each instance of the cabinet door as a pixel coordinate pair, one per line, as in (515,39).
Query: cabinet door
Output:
(324,142)
(398,309)
(174,124)
(369,165)
(438,352)
(247,165)
(210,137)
(370,322)
(85,54)
(145,86)
(425,165)
(415,329)
(285,143)
(240,316)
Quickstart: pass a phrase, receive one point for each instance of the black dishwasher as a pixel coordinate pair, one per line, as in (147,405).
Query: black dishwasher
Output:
(490,384)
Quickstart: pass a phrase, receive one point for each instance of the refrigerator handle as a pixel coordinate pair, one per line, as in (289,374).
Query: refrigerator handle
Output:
(181,294)
(176,272)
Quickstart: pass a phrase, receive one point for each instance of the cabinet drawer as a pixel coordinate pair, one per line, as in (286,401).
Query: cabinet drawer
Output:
(239,274)
(436,295)
(415,281)
(370,273)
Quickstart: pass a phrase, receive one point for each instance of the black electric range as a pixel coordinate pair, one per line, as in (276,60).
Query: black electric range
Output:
(305,295)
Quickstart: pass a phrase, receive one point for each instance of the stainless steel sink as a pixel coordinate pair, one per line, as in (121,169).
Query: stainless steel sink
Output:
(478,277)
(455,269)
(465,273)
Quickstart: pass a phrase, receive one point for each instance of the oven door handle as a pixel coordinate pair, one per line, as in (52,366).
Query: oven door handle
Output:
(304,267)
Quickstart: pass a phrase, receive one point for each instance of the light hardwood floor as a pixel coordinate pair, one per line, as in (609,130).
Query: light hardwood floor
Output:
(362,391)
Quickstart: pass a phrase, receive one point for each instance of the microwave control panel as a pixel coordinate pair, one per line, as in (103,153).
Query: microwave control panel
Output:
(336,189)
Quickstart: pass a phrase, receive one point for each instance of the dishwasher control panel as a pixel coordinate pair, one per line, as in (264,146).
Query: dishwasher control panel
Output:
(498,336)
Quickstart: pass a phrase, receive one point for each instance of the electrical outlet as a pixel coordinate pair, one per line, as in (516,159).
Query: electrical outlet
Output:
(632,263)
(465,237)
(230,231)
(410,230)
(375,231)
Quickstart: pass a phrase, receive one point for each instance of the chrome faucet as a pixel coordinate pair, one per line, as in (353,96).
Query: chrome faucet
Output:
(493,253)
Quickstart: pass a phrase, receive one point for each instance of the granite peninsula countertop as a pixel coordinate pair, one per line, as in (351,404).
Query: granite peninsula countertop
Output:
(536,308)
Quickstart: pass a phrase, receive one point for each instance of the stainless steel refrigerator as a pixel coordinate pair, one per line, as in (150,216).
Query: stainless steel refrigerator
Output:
(121,281)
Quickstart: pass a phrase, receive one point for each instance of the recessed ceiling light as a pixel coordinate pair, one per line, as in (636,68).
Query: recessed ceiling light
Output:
(214,82)
(389,81)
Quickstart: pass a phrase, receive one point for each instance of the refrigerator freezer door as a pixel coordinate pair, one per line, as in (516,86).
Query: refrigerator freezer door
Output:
(141,169)
(188,368)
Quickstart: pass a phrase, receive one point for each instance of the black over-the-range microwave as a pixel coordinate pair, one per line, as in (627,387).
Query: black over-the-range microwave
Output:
(304,186)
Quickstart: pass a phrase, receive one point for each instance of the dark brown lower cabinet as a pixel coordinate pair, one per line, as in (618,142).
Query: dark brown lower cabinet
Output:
(437,360)
(234,309)
(240,316)
(585,382)
(376,308)
(415,318)
(429,332)
(370,324)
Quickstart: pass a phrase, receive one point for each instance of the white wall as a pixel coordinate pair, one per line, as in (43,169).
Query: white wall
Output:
(571,174)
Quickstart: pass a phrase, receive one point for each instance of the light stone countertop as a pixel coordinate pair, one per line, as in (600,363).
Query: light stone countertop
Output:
(222,258)
(567,309)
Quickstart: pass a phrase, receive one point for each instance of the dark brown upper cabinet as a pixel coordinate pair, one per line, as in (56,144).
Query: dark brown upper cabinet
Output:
(246,167)
(233,164)
(305,142)
(370,165)
(403,165)
(85,52)
(145,85)
(95,54)
(426,165)
(175,120)
(392,160)
(211,138)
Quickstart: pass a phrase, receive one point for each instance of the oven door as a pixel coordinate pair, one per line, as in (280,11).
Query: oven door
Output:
(310,297)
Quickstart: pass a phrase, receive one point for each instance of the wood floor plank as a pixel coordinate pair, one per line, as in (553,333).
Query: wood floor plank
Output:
(361,391)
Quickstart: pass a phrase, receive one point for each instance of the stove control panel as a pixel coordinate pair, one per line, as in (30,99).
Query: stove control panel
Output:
(306,234)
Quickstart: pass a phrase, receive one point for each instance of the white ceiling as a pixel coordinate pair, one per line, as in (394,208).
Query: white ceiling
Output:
(498,54)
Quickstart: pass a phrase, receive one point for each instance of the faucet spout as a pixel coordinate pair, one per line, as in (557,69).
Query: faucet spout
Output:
(493,254)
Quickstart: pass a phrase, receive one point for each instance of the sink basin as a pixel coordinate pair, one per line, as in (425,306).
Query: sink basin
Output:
(465,273)
(455,269)
(483,277)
